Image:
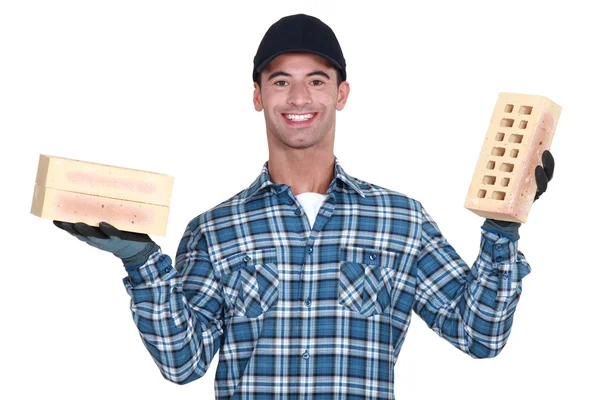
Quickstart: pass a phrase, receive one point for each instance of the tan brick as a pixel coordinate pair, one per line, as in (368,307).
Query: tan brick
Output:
(79,191)
(521,129)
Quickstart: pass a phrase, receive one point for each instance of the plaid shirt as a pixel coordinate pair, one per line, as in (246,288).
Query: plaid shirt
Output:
(317,314)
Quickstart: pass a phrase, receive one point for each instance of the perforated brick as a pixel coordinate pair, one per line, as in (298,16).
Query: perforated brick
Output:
(521,129)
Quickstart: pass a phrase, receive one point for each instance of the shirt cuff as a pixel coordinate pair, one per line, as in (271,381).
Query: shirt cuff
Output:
(157,268)
(502,262)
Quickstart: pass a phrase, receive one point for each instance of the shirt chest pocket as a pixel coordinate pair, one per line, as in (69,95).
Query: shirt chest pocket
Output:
(366,279)
(250,281)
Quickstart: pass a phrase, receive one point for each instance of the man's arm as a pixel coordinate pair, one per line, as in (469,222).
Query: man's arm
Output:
(472,308)
(178,311)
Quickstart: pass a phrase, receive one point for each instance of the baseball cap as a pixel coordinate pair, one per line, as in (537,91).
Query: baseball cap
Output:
(299,33)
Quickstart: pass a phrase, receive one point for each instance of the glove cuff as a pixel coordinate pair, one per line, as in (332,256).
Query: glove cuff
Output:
(504,228)
(140,258)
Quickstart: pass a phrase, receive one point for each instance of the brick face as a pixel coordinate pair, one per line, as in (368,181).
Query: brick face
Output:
(521,129)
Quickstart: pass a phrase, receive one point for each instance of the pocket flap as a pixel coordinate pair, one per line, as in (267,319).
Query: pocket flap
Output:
(368,256)
(246,259)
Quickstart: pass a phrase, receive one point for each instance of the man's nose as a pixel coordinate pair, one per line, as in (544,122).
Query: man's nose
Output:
(299,95)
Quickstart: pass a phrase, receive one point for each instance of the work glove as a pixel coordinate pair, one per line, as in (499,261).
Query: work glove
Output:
(131,247)
(543,175)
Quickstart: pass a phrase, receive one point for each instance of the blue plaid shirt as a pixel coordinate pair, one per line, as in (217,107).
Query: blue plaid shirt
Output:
(321,313)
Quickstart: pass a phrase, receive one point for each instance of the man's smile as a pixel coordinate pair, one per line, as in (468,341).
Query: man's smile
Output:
(299,119)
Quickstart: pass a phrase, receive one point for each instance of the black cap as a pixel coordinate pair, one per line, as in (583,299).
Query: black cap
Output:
(299,33)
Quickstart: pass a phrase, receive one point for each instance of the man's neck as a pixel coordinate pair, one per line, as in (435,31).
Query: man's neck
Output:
(303,171)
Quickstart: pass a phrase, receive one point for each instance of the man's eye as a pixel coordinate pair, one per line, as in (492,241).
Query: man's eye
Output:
(316,82)
(280,83)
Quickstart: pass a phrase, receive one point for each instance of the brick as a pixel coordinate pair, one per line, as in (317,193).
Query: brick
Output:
(503,185)
(78,191)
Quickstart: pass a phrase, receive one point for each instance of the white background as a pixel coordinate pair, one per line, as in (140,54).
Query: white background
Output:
(166,87)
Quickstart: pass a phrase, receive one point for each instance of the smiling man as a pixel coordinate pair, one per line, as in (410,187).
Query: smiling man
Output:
(306,280)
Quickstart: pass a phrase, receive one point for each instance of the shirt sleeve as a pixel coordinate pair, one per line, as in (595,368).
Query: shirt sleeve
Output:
(178,311)
(472,308)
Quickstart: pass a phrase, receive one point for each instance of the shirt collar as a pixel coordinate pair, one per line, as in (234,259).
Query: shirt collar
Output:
(263,182)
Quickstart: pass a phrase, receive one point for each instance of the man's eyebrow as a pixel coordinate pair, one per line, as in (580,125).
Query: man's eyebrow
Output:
(320,73)
(278,73)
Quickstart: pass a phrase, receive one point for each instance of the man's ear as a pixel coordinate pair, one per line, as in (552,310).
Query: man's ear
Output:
(343,92)
(257,99)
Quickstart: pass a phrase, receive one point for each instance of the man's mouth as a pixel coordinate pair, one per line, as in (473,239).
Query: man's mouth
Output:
(299,117)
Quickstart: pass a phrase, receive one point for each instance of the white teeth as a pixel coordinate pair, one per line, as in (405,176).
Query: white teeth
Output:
(296,117)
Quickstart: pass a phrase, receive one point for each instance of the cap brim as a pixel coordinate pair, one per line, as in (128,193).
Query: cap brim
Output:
(263,64)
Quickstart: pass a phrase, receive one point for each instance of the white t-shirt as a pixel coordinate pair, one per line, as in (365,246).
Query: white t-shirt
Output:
(311,203)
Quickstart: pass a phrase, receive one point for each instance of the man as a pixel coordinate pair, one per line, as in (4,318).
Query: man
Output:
(306,280)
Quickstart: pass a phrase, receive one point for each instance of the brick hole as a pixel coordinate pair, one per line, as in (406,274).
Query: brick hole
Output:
(515,138)
(481,194)
(489,180)
(522,124)
(505,167)
(499,136)
(498,151)
(508,108)
(506,122)
(514,153)
(525,110)
(498,195)
(491,164)
(504,182)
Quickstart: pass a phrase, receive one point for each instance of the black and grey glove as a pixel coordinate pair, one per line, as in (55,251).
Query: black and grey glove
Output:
(131,247)
(543,175)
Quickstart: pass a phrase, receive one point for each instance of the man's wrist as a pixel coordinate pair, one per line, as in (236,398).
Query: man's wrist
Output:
(140,258)
(504,228)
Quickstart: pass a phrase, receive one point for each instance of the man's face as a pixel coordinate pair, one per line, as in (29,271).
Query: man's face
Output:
(299,95)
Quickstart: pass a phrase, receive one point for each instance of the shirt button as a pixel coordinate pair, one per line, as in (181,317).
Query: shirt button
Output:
(372,257)
(505,275)
(309,250)
(167,270)
(498,247)
(305,355)
(307,302)
(246,258)
(297,211)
